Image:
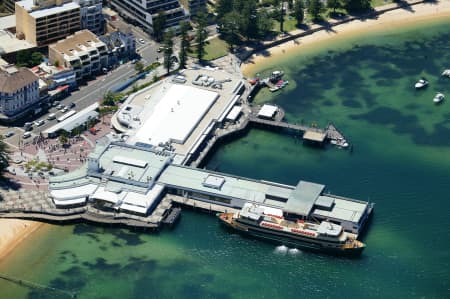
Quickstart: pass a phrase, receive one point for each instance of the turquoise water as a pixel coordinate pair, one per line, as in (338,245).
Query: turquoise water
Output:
(401,161)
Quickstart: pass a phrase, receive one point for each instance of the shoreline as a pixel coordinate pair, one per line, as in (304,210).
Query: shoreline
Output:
(13,232)
(393,19)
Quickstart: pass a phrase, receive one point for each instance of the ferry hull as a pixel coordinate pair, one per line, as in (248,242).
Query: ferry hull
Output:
(268,236)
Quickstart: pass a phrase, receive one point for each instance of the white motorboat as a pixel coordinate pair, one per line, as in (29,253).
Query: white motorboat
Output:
(446,73)
(421,84)
(439,97)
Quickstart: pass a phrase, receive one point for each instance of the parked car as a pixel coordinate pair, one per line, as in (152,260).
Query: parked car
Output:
(51,116)
(160,49)
(71,105)
(59,106)
(26,135)
(141,40)
(64,109)
(39,123)
(9,134)
(56,103)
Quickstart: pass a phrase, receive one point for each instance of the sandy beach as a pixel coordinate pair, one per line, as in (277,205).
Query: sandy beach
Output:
(13,232)
(398,18)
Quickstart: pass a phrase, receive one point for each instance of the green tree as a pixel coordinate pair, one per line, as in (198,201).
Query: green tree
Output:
(4,155)
(159,24)
(139,67)
(315,8)
(223,7)
(333,4)
(201,35)
(63,137)
(279,7)
(230,28)
(36,58)
(264,22)
(299,13)
(168,50)
(249,19)
(185,44)
(357,5)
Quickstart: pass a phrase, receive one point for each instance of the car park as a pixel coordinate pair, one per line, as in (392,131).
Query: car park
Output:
(9,134)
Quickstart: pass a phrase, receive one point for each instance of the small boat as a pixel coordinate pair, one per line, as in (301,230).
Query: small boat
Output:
(446,73)
(439,97)
(421,84)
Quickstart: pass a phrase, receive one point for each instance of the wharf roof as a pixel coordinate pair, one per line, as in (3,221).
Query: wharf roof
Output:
(342,208)
(302,199)
(230,187)
(13,79)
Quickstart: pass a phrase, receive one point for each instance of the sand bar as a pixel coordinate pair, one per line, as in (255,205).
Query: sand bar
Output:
(394,19)
(13,232)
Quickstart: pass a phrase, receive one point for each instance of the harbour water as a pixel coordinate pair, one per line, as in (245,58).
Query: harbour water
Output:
(401,161)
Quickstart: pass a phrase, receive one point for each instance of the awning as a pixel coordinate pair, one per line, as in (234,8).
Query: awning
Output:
(69,202)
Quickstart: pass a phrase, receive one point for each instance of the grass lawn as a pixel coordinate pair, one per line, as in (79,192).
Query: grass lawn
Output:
(289,24)
(215,49)
(376,3)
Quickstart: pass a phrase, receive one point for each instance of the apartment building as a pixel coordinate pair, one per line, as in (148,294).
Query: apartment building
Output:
(143,12)
(121,44)
(91,15)
(19,90)
(44,22)
(83,51)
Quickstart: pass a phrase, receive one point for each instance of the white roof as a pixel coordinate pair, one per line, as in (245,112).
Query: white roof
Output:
(28,5)
(130,161)
(69,202)
(76,192)
(140,203)
(234,113)
(268,111)
(10,43)
(176,115)
(8,22)
(108,196)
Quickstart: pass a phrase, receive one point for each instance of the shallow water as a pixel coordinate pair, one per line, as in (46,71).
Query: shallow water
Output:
(401,161)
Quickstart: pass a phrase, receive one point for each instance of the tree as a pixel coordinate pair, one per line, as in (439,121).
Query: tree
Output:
(249,19)
(139,67)
(279,6)
(230,28)
(4,155)
(36,58)
(315,8)
(63,137)
(28,59)
(223,7)
(264,22)
(357,5)
(185,44)
(333,4)
(159,24)
(201,35)
(168,50)
(299,13)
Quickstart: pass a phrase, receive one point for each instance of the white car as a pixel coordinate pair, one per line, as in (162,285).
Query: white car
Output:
(39,123)
(141,40)
(64,110)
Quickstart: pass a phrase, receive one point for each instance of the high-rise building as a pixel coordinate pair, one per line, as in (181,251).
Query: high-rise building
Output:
(143,12)
(91,15)
(9,5)
(19,90)
(43,22)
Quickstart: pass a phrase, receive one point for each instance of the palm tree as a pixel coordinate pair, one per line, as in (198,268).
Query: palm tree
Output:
(4,155)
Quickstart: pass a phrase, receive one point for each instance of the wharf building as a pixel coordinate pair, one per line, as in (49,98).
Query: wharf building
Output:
(19,92)
(83,51)
(44,22)
(161,129)
(142,13)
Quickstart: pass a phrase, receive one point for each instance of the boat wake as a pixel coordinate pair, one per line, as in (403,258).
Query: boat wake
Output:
(284,250)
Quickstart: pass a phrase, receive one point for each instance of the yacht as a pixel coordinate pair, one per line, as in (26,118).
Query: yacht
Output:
(421,83)
(446,73)
(439,97)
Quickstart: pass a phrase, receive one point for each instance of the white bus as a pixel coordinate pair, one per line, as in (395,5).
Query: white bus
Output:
(66,116)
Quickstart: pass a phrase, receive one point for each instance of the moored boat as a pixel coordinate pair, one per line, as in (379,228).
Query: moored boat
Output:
(439,97)
(269,224)
(446,73)
(421,84)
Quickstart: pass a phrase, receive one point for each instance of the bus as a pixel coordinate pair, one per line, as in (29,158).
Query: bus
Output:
(66,116)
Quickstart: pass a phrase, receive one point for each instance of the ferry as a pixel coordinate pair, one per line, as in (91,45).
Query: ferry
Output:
(269,223)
